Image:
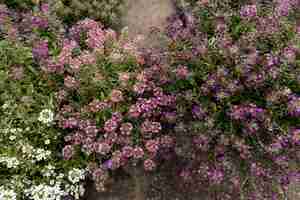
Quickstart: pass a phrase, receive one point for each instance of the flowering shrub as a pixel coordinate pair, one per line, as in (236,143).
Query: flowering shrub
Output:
(84,101)
(243,58)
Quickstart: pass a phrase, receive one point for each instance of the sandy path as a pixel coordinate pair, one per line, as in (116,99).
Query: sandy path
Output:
(142,15)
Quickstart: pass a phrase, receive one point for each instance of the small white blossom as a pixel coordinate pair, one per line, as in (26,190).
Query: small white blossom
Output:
(46,116)
(49,171)
(12,137)
(47,141)
(11,162)
(42,154)
(6,194)
(75,175)
(45,192)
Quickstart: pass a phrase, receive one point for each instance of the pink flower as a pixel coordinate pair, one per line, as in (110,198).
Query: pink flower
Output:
(138,153)
(127,151)
(126,128)
(150,127)
(116,96)
(102,148)
(152,146)
(68,152)
(97,106)
(95,38)
(149,165)
(110,125)
(70,82)
(99,174)
(248,11)
(124,78)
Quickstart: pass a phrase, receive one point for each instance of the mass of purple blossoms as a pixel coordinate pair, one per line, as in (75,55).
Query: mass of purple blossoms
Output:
(226,105)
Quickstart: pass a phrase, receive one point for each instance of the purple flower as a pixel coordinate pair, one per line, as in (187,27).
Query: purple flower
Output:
(149,127)
(294,106)
(198,112)
(127,151)
(45,8)
(290,53)
(126,128)
(39,22)
(295,136)
(40,50)
(108,164)
(248,11)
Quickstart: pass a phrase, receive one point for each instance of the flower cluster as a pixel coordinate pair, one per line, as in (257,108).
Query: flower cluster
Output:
(220,105)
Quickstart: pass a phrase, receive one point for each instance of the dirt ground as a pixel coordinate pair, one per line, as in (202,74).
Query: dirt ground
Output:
(144,16)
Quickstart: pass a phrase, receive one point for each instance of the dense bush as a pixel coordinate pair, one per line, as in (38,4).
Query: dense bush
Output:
(107,11)
(85,101)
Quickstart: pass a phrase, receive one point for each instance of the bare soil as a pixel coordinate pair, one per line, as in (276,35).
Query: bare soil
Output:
(142,17)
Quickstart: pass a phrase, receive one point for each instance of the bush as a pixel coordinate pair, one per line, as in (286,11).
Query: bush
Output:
(88,102)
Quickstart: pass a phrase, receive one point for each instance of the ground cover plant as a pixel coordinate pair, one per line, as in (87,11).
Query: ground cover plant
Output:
(80,101)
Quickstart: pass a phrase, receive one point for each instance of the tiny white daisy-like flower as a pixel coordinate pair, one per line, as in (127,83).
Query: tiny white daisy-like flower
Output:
(46,116)
(75,175)
(47,141)
(6,194)
(12,137)
(11,162)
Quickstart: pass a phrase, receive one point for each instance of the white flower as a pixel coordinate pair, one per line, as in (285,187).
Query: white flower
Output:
(6,105)
(7,194)
(41,154)
(49,171)
(12,137)
(46,116)
(81,190)
(47,141)
(75,175)
(11,162)
(45,192)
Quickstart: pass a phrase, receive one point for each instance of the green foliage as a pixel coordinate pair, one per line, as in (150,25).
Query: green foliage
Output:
(107,11)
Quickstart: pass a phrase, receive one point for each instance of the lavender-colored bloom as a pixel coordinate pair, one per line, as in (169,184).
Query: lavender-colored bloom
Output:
(39,22)
(294,106)
(290,53)
(40,50)
(215,176)
(108,164)
(150,127)
(248,11)
(127,151)
(45,8)
(295,137)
